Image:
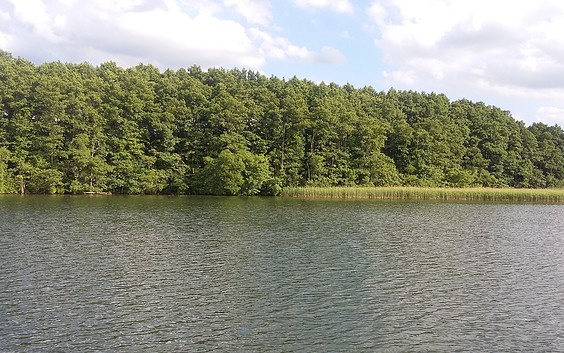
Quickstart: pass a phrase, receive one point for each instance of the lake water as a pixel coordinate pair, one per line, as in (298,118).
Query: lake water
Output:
(215,274)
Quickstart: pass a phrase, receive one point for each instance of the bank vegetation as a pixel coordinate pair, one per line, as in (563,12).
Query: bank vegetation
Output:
(79,128)
(478,194)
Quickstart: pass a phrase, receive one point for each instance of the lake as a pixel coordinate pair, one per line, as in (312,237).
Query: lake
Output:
(221,274)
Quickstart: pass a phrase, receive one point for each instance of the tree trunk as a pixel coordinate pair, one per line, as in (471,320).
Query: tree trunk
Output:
(22,185)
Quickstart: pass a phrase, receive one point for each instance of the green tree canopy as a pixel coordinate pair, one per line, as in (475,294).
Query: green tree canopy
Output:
(74,128)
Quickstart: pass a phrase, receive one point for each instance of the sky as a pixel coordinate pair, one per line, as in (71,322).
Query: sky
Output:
(505,53)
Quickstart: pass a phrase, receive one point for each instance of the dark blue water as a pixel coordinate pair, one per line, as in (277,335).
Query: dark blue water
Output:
(212,274)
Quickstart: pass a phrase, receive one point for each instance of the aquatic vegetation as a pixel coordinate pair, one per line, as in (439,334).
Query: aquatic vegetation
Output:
(427,193)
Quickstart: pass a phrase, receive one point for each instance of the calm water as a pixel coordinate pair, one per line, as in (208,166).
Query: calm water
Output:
(203,274)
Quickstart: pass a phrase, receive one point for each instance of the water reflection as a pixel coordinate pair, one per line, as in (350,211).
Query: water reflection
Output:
(204,274)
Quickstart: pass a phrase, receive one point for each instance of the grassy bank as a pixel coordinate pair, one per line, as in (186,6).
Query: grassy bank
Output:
(424,193)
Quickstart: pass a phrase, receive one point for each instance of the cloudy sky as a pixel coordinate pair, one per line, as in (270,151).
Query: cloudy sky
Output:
(505,53)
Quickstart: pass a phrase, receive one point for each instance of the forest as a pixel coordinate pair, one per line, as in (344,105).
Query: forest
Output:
(79,128)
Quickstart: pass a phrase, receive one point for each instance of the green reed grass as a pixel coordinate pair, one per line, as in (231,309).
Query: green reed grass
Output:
(427,193)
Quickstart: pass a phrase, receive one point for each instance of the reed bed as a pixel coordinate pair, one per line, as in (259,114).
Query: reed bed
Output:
(428,193)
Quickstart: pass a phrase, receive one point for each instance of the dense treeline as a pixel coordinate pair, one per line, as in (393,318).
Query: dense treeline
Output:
(73,128)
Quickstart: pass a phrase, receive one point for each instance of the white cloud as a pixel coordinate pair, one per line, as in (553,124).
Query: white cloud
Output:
(503,48)
(33,13)
(378,14)
(281,49)
(122,6)
(176,36)
(254,11)
(3,40)
(167,33)
(330,55)
(342,6)
(550,115)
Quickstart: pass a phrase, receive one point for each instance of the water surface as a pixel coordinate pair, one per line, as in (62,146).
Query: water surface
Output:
(203,274)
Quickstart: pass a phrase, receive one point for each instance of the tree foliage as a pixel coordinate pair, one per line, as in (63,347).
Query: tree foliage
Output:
(74,128)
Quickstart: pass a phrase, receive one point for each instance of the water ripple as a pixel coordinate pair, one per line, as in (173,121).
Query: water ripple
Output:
(273,275)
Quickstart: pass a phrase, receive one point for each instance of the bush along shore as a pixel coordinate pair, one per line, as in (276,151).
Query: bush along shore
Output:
(78,128)
(428,193)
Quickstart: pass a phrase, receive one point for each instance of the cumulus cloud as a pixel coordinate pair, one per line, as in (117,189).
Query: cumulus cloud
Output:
(502,47)
(343,6)
(280,48)
(550,115)
(254,11)
(129,32)
(330,55)
(166,33)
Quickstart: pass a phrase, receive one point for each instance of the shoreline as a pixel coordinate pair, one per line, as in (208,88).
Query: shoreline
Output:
(405,193)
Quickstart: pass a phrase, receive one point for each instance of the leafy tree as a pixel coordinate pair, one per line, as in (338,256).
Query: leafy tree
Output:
(231,173)
(75,128)
(287,152)
(7,182)
(549,158)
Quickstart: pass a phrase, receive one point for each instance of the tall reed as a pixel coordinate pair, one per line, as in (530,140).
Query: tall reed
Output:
(427,193)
